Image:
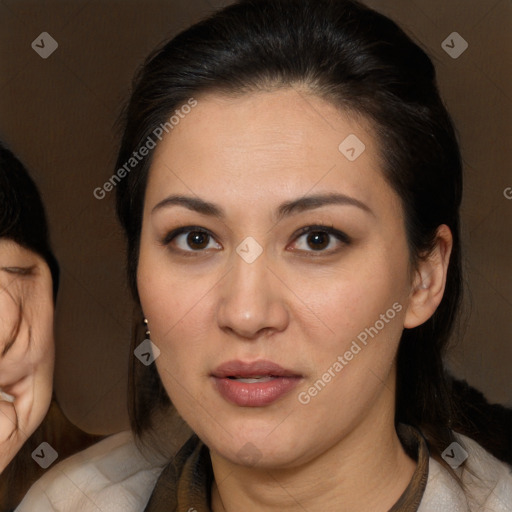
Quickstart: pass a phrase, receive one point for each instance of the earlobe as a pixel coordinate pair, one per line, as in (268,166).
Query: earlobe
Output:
(429,281)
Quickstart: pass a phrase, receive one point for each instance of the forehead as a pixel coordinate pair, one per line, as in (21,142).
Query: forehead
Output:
(265,144)
(11,250)
(16,261)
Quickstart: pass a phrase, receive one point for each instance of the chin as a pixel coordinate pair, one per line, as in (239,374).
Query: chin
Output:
(254,446)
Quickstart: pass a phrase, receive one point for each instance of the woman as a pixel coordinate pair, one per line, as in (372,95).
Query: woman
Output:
(29,277)
(293,243)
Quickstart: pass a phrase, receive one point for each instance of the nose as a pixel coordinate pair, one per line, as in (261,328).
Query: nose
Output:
(252,301)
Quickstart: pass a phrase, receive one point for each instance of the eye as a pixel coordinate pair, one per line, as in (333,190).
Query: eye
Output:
(320,239)
(22,271)
(191,239)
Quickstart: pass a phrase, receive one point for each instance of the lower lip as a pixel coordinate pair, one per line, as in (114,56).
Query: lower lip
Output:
(256,394)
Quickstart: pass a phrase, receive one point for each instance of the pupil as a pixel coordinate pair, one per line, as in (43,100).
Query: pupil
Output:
(197,240)
(318,240)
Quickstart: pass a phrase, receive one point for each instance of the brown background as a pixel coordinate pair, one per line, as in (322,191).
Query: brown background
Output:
(58,115)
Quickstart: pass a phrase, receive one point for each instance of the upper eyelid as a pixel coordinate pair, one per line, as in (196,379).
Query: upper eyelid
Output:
(23,271)
(173,233)
(301,231)
(329,229)
(340,236)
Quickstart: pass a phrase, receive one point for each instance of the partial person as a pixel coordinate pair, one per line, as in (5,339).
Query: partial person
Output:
(29,278)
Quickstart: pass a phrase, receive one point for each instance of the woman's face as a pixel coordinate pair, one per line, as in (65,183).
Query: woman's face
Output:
(26,345)
(274,272)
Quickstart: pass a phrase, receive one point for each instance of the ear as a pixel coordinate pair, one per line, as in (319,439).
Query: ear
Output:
(429,280)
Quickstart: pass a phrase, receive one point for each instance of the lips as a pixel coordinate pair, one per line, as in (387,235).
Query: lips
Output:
(253,384)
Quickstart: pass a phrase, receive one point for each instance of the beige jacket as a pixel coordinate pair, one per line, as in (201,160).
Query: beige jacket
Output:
(115,476)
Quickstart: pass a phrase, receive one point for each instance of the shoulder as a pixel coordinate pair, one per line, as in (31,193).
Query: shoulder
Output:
(111,475)
(486,480)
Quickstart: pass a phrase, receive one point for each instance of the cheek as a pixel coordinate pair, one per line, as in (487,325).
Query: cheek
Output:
(348,301)
(181,313)
(174,304)
(183,330)
(39,316)
(9,313)
(47,339)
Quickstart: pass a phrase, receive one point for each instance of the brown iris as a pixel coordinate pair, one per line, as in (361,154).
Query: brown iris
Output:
(197,240)
(318,240)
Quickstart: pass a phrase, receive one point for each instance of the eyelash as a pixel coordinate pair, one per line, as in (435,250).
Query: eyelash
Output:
(22,271)
(321,228)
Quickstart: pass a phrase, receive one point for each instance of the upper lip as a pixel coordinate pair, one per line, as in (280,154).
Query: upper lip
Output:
(260,368)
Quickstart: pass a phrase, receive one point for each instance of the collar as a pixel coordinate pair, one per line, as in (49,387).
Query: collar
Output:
(185,483)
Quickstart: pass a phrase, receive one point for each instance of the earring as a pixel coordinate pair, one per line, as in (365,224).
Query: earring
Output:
(146,326)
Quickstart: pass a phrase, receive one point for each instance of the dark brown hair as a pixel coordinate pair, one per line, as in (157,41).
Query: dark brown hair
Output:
(364,63)
(22,214)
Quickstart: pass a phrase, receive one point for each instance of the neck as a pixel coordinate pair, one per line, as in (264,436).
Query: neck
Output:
(366,470)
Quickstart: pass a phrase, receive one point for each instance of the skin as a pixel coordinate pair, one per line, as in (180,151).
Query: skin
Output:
(26,345)
(295,306)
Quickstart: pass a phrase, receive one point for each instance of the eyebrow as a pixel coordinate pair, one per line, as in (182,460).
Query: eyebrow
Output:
(285,209)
